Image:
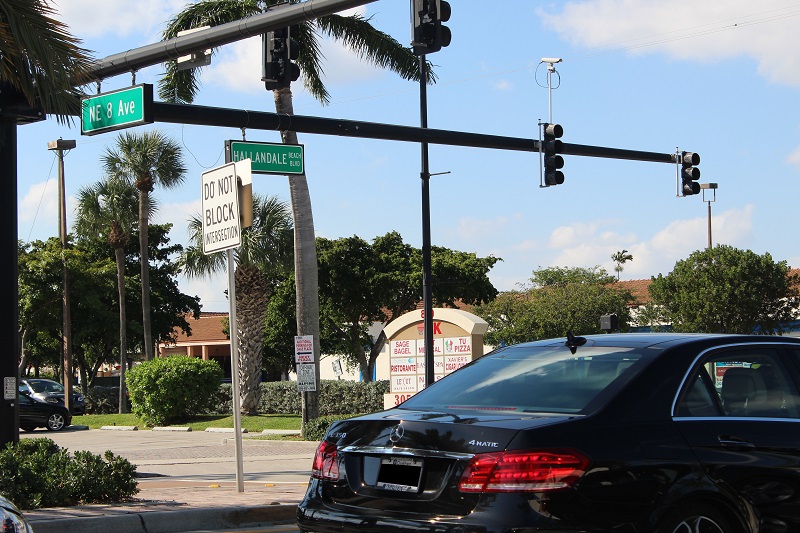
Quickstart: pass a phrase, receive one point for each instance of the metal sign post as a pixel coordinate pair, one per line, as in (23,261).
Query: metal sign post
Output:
(222,230)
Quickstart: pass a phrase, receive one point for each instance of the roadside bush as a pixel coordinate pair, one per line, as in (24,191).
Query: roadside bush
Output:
(102,400)
(172,389)
(316,427)
(221,400)
(38,473)
(335,397)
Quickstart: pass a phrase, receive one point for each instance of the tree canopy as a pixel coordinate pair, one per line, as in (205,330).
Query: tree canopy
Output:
(95,316)
(362,283)
(559,300)
(727,290)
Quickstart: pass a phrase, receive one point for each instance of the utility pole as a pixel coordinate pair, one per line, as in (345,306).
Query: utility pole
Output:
(713,188)
(66,331)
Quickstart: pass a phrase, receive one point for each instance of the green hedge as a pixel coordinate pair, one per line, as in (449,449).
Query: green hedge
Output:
(335,397)
(277,397)
(315,428)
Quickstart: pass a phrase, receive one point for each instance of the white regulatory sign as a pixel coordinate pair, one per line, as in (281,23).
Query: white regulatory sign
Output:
(306,378)
(222,227)
(9,388)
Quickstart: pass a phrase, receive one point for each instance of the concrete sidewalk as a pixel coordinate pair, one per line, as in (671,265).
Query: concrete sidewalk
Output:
(187,482)
(168,506)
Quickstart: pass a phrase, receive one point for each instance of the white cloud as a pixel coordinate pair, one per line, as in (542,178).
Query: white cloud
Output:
(476,229)
(592,243)
(230,63)
(178,215)
(340,66)
(688,30)
(794,158)
(41,200)
(93,18)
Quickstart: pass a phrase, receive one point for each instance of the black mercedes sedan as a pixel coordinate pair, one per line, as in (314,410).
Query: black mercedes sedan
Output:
(677,433)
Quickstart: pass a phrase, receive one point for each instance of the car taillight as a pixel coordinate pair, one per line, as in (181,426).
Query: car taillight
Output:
(326,462)
(523,471)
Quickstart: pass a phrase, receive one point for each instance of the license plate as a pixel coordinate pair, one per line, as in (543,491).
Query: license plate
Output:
(400,474)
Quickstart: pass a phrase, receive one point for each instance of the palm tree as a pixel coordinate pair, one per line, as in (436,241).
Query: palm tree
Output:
(108,208)
(264,257)
(145,160)
(354,31)
(620,258)
(41,60)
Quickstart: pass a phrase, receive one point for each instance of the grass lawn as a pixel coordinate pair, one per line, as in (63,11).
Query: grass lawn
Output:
(253,424)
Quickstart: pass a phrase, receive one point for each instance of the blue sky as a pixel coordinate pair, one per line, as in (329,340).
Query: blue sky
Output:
(718,78)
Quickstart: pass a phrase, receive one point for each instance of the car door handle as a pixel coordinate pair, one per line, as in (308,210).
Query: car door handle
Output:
(728,441)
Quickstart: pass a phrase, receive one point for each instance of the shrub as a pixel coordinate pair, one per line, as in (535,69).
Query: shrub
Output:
(38,473)
(315,428)
(335,397)
(172,389)
(102,400)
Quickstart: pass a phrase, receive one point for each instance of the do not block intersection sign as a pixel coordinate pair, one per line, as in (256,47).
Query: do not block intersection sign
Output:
(222,226)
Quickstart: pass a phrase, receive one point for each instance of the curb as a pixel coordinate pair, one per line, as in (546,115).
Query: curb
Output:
(209,518)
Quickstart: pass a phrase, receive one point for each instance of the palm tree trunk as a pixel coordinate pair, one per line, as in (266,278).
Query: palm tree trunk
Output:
(305,257)
(144,210)
(252,297)
(119,254)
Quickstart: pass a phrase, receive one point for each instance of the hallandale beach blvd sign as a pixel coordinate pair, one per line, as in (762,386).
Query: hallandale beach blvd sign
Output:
(268,158)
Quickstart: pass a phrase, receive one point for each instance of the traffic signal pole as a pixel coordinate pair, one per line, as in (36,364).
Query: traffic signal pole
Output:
(264,120)
(427,268)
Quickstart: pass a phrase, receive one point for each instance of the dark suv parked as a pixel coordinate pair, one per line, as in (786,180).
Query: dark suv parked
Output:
(51,391)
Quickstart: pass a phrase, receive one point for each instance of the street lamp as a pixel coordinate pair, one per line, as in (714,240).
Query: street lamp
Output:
(59,146)
(713,198)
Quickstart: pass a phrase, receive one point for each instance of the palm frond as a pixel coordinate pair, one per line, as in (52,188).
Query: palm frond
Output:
(195,263)
(40,58)
(182,86)
(373,45)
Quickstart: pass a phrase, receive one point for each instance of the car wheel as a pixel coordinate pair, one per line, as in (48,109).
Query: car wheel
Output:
(56,422)
(696,519)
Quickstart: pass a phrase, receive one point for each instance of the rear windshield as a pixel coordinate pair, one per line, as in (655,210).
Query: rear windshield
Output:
(530,379)
(46,386)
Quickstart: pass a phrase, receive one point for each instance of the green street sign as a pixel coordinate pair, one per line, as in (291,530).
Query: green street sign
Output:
(268,158)
(116,110)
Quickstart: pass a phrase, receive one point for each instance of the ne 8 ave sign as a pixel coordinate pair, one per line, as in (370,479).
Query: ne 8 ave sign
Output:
(222,227)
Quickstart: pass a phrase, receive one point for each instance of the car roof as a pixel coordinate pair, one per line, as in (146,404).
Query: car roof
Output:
(664,340)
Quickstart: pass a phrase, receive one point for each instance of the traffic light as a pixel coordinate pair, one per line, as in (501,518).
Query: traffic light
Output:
(428,34)
(551,148)
(690,173)
(279,51)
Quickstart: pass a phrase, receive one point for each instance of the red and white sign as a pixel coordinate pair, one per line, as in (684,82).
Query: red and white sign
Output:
(403,365)
(454,362)
(458,345)
(304,349)
(438,347)
(401,348)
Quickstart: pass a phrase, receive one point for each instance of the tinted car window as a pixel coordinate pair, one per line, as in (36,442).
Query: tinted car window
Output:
(529,379)
(743,383)
(46,386)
